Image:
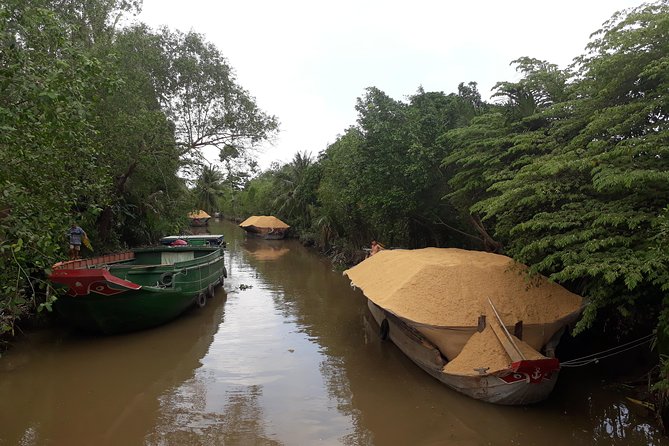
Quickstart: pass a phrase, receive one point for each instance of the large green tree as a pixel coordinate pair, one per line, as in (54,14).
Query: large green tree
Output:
(295,190)
(209,187)
(140,155)
(500,141)
(586,210)
(340,215)
(48,149)
(205,102)
(387,168)
(96,125)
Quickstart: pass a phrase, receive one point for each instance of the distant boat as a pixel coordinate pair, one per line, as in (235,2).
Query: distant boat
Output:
(265,226)
(471,319)
(137,289)
(196,240)
(199,218)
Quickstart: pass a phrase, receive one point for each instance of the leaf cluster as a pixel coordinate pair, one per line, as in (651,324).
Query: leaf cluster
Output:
(94,122)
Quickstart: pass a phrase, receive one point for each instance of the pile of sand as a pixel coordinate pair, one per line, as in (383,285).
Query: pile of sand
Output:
(199,214)
(484,351)
(264,221)
(450,287)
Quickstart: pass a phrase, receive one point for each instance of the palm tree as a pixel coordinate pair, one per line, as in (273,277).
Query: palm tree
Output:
(294,194)
(208,188)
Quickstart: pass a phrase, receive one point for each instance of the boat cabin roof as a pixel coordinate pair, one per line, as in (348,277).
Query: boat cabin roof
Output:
(203,239)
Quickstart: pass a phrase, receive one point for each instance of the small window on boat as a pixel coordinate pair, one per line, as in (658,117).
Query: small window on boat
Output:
(170,258)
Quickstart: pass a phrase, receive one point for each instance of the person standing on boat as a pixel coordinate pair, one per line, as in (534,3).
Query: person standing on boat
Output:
(76,235)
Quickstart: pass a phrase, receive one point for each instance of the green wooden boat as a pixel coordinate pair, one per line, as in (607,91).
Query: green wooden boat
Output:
(137,289)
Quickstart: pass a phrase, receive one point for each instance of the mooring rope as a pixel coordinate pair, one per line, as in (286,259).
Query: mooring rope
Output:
(595,357)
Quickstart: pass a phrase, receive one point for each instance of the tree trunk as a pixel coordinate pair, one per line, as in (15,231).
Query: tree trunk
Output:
(106,219)
(489,244)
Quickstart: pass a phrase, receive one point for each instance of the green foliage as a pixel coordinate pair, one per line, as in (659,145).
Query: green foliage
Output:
(497,144)
(574,180)
(294,190)
(339,214)
(208,188)
(380,179)
(146,198)
(48,153)
(567,172)
(395,181)
(204,101)
(91,121)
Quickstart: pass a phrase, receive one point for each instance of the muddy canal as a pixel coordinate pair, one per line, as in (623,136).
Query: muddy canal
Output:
(285,354)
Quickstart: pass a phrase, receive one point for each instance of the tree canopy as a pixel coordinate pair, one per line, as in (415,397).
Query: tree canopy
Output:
(564,170)
(101,125)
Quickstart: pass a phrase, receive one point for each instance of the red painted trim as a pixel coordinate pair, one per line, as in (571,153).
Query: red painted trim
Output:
(532,370)
(85,281)
(95,261)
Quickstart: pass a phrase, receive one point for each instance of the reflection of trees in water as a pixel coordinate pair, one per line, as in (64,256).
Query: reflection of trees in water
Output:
(305,289)
(186,420)
(616,425)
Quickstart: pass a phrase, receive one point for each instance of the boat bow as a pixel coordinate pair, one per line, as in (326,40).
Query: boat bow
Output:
(532,371)
(81,282)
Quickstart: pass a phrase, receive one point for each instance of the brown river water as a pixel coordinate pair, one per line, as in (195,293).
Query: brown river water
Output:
(285,354)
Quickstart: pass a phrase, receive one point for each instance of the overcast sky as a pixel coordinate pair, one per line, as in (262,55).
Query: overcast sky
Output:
(306,61)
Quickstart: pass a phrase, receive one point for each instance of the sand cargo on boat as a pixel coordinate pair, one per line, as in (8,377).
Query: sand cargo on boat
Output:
(199,218)
(267,227)
(476,321)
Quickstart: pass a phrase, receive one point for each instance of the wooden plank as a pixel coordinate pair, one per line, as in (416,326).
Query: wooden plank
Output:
(504,337)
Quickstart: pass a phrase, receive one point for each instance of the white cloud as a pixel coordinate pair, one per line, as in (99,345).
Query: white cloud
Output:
(307,61)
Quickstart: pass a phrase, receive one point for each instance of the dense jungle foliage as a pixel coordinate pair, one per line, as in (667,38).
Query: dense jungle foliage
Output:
(566,170)
(101,126)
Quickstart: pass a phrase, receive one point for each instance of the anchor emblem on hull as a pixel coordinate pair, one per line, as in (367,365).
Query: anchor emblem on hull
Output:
(536,374)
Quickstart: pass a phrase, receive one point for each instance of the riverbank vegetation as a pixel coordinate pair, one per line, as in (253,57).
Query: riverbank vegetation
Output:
(102,126)
(566,170)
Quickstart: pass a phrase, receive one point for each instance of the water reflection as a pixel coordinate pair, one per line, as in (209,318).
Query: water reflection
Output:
(260,381)
(199,230)
(265,250)
(238,421)
(288,354)
(68,388)
(389,400)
